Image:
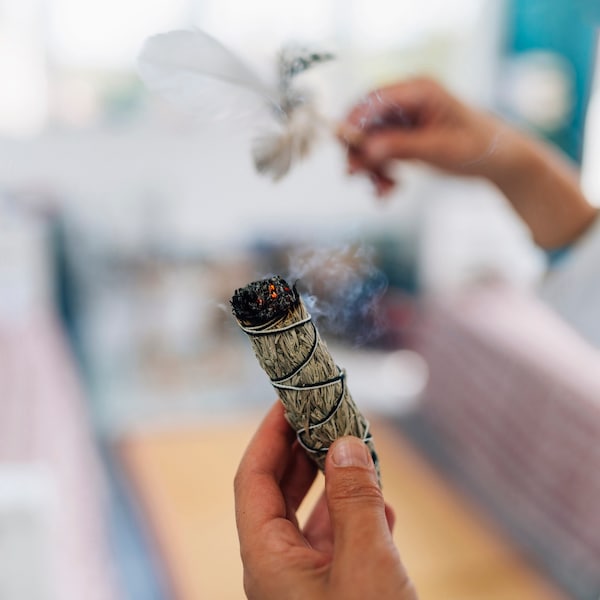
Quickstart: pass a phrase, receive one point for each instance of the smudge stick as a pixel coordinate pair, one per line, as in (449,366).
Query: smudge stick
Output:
(287,345)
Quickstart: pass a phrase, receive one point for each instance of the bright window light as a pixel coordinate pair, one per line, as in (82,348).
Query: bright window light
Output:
(590,169)
(23,102)
(108,33)
(269,21)
(382,23)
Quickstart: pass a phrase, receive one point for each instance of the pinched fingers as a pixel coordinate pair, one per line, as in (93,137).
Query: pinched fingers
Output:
(358,163)
(401,105)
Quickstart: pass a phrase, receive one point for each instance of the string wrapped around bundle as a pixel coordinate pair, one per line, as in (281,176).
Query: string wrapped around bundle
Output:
(312,388)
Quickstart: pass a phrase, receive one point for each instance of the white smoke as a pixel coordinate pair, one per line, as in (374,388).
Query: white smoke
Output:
(341,287)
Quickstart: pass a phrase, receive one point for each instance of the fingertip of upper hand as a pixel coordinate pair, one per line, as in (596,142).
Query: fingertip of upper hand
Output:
(375,150)
(384,189)
(384,184)
(349,134)
(354,164)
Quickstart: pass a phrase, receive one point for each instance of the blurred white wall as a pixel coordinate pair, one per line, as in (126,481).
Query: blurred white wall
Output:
(191,178)
(135,171)
(24,98)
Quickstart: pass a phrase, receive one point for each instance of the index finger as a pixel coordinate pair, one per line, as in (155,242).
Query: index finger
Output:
(258,495)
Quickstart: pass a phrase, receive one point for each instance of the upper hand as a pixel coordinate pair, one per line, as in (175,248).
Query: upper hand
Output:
(418,119)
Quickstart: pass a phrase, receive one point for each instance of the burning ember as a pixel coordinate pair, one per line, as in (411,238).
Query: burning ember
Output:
(261,301)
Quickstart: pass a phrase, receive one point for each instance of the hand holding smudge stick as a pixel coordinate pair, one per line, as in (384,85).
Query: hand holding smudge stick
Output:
(288,347)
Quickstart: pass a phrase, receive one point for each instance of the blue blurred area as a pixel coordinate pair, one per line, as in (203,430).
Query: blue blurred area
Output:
(569,29)
(139,568)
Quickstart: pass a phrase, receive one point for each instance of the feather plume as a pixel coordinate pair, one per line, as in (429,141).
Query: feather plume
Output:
(197,73)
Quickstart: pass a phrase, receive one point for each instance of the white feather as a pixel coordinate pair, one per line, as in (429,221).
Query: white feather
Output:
(273,153)
(197,73)
(276,151)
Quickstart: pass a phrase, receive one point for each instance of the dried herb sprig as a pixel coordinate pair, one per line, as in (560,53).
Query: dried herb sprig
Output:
(312,388)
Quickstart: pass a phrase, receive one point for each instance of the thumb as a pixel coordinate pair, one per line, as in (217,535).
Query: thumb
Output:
(354,499)
(399,144)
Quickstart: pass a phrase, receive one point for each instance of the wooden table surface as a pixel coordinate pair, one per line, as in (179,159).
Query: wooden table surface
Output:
(183,478)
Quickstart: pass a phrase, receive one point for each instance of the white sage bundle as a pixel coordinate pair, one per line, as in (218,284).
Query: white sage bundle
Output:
(312,388)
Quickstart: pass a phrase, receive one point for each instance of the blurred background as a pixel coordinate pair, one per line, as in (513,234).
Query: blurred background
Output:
(127,392)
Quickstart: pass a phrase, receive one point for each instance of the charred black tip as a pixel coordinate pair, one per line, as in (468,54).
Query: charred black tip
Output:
(264,300)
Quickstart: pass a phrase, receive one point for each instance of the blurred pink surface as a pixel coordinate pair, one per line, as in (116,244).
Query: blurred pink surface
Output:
(514,395)
(44,420)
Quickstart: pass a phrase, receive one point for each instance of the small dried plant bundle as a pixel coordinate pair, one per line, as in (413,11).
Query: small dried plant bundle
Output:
(312,388)
(204,77)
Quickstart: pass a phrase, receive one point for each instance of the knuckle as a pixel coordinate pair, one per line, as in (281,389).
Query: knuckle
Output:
(386,557)
(238,481)
(251,587)
(351,489)
(427,83)
(236,484)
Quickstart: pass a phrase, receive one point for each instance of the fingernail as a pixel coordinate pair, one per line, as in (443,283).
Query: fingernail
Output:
(350,452)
